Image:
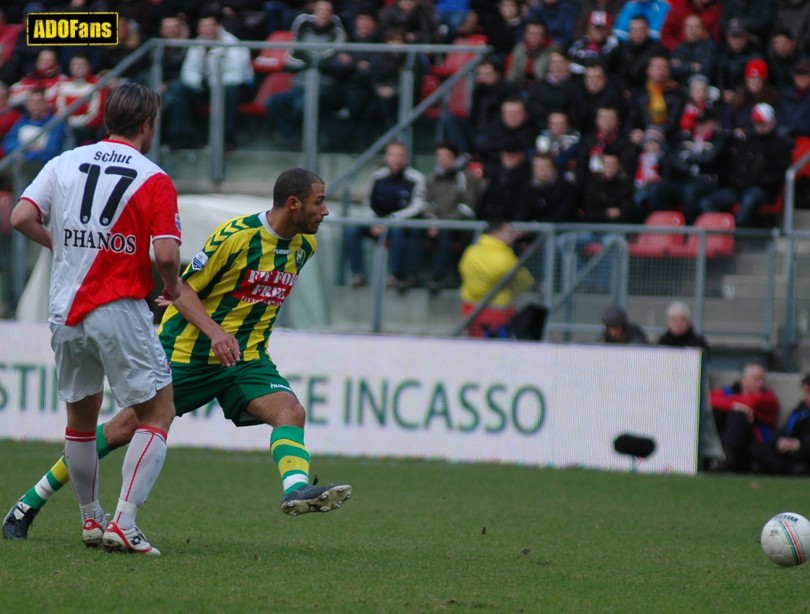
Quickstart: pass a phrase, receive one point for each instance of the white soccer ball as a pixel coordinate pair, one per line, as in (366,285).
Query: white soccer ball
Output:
(786,539)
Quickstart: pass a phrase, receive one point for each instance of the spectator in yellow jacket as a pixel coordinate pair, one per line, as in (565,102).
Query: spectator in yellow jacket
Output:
(482,266)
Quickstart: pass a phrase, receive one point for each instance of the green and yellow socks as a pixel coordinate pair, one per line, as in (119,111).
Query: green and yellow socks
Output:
(291,456)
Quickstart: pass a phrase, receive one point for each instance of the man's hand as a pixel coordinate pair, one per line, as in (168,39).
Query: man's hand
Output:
(749,413)
(226,348)
(787,445)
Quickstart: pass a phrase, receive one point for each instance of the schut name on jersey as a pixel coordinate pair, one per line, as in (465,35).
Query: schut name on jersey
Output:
(103,241)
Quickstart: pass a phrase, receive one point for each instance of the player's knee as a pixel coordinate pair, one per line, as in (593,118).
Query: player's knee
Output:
(118,431)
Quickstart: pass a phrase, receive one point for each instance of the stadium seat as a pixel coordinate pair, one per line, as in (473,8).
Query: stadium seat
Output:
(657,244)
(273,83)
(801,145)
(273,60)
(718,245)
(430,83)
(6,205)
(456,59)
(457,101)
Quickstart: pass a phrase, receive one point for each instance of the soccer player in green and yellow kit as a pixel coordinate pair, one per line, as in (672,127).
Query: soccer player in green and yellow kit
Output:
(215,336)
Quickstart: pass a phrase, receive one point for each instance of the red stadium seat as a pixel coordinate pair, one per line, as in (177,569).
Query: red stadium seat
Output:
(273,83)
(718,245)
(456,59)
(273,60)
(657,244)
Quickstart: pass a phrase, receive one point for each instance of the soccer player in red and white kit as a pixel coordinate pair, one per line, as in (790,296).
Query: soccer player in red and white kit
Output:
(106,203)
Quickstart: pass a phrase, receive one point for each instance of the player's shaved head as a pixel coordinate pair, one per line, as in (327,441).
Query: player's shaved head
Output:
(294,182)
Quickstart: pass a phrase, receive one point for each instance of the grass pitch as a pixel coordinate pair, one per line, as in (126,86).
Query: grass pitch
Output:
(417,536)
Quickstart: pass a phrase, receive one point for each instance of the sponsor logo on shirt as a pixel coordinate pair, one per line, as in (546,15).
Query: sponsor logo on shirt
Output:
(269,287)
(282,252)
(102,241)
(198,262)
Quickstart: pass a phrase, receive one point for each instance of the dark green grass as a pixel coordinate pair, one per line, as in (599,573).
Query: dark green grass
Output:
(417,536)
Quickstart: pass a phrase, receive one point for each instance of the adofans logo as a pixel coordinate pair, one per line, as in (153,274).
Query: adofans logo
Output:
(53,29)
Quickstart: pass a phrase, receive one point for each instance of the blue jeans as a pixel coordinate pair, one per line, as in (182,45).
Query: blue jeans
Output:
(286,110)
(723,199)
(686,195)
(404,255)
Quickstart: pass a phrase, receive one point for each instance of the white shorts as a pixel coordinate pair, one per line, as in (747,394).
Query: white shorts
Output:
(117,340)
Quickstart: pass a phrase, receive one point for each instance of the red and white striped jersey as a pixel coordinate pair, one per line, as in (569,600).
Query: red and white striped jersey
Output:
(106,203)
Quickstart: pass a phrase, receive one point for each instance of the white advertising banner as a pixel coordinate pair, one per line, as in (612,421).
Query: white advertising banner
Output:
(463,400)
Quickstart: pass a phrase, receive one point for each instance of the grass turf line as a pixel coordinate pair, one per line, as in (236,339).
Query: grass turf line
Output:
(417,536)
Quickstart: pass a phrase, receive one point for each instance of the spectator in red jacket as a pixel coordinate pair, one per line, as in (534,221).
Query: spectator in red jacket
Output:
(707,10)
(745,412)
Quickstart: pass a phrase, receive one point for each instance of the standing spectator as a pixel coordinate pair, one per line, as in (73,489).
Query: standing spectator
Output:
(453,193)
(788,453)
(707,11)
(739,49)
(413,17)
(507,187)
(794,106)
(744,412)
(37,113)
(286,109)
(694,167)
(513,129)
(482,266)
(619,329)
(783,53)
(736,116)
(695,54)
(561,143)
(599,44)
(654,12)
(659,102)
(550,198)
(194,87)
(596,90)
(489,93)
(530,56)
(397,191)
(101,326)
(46,77)
(758,158)
(635,54)
(560,16)
(555,91)
(86,122)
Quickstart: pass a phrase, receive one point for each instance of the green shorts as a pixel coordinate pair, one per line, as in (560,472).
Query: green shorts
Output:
(233,387)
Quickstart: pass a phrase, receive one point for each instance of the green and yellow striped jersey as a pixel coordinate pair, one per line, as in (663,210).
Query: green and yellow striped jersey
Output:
(242,276)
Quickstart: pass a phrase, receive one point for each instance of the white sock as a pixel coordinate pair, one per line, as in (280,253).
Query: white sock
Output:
(142,465)
(81,457)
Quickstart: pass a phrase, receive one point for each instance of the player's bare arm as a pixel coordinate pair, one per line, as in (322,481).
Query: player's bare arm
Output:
(167,262)
(27,219)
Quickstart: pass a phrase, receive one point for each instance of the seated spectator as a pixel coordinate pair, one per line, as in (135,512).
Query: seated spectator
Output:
(46,77)
(788,453)
(555,91)
(530,56)
(653,12)
(599,44)
(503,27)
(415,18)
(507,187)
(397,191)
(8,117)
(611,7)
(86,122)
(194,87)
(649,170)
(110,56)
(739,49)
(37,113)
(453,193)
(490,90)
(483,265)
(707,11)
(285,110)
(696,54)
(550,198)
(596,89)
(698,99)
(794,106)
(756,16)
(736,115)
(635,53)
(745,412)
(560,16)
(24,57)
(512,129)
(658,103)
(619,329)
(758,159)
(561,143)
(793,16)
(245,19)
(694,167)
(783,53)
(9,33)
(607,134)
(452,15)
(608,195)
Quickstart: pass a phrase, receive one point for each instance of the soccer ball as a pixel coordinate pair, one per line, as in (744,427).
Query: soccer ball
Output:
(786,539)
